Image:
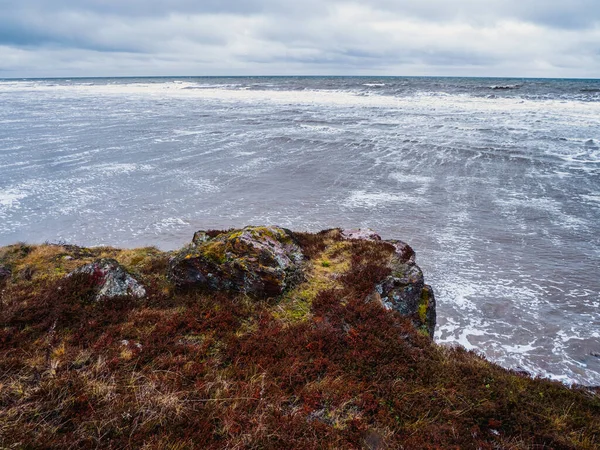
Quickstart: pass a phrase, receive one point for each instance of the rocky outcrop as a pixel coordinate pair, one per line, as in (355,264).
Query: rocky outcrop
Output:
(263,262)
(112,280)
(257,261)
(404,290)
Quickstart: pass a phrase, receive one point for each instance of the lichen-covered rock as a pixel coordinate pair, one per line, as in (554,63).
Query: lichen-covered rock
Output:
(112,279)
(257,261)
(404,290)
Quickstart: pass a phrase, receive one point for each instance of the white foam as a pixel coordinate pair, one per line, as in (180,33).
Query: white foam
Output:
(522,349)
(188,132)
(201,185)
(440,102)
(363,199)
(465,333)
(10,198)
(322,128)
(403,177)
(121,168)
(591,198)
(458,293)
(170,222)
(546,206)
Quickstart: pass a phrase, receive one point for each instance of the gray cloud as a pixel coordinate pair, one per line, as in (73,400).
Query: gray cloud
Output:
(426,37)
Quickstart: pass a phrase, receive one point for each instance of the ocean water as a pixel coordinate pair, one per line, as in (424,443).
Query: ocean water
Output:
(494,182)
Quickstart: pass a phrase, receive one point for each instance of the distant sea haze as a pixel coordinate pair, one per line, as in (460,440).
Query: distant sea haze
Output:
(494,182)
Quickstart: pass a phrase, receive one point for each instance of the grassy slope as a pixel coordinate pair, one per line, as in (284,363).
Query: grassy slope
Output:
(319,368)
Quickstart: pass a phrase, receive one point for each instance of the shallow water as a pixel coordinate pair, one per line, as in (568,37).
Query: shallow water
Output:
(495,183)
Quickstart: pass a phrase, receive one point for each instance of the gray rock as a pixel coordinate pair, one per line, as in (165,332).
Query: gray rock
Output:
(257,261)
(402,290)
(405,291)
(112,279)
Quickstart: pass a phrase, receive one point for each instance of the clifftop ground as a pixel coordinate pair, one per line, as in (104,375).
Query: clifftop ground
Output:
(322,365)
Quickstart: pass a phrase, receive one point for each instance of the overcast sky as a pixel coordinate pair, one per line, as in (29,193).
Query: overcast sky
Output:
(537,38)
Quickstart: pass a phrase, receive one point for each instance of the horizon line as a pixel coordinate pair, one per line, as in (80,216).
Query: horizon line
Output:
(294,76)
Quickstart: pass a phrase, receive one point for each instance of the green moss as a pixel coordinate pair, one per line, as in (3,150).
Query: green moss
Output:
(235,235)
(322,275)
(214,251)
(424,305)
(273,233)
(423,331)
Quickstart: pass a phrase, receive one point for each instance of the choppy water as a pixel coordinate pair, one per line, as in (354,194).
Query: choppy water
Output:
(495,183)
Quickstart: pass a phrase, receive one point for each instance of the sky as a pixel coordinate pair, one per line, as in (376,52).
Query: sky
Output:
(520,38)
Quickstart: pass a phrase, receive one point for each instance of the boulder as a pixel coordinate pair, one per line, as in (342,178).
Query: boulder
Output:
(112,280)
(404,290)
(258,261)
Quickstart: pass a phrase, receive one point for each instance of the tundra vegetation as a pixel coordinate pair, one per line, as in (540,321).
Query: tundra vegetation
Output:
(323,365)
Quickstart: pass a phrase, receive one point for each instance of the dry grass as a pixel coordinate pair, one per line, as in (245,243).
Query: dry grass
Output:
(320,368)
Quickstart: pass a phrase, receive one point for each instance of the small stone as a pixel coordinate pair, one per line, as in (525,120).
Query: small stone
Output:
(113,279)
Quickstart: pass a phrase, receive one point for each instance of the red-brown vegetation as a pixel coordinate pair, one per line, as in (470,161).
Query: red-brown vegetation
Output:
(186,369)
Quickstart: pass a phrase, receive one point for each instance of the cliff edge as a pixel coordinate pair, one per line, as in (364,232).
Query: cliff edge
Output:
(254,338)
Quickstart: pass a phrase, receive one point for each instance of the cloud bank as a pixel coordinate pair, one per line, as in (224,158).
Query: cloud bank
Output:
(550,38)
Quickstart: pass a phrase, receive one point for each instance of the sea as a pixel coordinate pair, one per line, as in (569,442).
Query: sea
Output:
(494,182)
